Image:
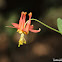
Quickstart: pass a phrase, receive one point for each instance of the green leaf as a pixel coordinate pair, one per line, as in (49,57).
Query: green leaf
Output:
(59,25)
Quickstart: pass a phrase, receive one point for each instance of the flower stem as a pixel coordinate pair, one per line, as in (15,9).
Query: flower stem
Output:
(43,24)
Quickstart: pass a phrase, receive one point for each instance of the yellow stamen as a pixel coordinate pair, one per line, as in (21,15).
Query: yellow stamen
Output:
(22,40)
(19,31)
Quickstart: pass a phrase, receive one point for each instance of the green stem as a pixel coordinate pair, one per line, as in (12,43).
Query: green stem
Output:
(43,24)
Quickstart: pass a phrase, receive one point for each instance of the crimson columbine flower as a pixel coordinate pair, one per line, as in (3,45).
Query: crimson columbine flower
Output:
(24,30)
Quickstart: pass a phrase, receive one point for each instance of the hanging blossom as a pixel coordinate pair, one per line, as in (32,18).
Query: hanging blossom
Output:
(22,28)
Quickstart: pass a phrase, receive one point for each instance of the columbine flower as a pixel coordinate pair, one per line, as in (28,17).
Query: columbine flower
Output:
(24,30)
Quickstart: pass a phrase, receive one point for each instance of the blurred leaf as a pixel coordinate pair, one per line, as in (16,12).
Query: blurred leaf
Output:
(59,24)
(13,17)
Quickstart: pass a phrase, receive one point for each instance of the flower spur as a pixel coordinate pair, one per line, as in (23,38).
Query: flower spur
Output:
(22,28)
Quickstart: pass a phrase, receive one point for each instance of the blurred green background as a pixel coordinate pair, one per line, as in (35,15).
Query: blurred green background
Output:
(40,47)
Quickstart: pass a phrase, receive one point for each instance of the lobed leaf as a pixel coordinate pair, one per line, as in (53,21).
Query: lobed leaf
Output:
(59,25)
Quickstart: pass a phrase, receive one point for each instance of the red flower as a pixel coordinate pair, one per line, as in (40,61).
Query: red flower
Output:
(21,24)
(20,27)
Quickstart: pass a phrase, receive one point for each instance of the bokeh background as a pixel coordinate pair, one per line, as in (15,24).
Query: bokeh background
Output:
(40,47)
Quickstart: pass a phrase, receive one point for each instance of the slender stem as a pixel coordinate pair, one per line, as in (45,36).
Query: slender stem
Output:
(43,24)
